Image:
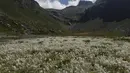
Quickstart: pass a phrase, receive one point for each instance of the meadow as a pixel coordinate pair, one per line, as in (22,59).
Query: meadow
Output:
(69,54)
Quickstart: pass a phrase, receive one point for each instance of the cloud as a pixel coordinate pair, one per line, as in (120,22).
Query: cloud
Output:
(55,4)
(89,0)
(73,2)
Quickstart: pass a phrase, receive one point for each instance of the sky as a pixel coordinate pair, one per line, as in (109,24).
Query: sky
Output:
(59,4)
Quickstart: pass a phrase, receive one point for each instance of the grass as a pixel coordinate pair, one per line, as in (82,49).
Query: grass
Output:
(65,54)
(24,20)
(122,39)
(98,27)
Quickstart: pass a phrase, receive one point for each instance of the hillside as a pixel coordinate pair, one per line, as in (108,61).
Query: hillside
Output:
(108,10)
(27,17)
(106,16)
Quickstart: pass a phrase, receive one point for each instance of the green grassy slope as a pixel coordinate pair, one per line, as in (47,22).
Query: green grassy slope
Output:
(98,27)
(27,16)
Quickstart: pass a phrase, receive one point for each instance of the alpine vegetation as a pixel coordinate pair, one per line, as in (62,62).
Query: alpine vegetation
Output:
(65,55)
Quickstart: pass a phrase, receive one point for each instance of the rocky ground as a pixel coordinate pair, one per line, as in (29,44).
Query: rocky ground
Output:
(70,54)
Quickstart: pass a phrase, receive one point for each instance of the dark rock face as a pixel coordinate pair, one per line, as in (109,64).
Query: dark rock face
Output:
(108,10)
(106,16)
(85,3)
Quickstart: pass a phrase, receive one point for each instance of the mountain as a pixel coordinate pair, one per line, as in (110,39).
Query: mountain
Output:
(75,12)
(71,13)
(108,10)
(27,17)
(106,16)
(85,4)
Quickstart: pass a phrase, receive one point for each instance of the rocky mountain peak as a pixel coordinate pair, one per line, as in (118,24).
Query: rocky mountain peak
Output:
(85,3)
(27,3)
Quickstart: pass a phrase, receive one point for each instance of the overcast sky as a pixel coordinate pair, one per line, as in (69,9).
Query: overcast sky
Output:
(58,4)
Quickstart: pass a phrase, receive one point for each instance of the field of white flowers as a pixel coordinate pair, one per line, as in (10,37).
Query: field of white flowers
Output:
(70,54)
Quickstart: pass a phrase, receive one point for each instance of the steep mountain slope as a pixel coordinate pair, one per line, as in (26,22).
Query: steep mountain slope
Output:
(74,12)
(111,16)
(71,13)
(85,4)
(26,17)
(108,10)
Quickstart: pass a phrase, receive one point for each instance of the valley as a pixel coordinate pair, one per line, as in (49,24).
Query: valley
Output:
(87,38)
